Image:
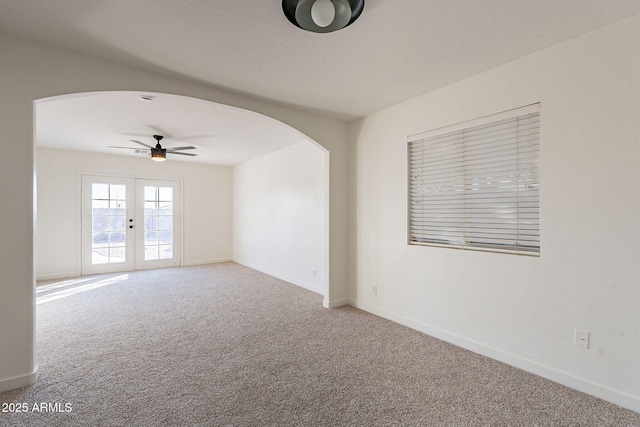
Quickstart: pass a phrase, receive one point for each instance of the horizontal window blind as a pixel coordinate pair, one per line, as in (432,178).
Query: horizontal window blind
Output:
(478,186)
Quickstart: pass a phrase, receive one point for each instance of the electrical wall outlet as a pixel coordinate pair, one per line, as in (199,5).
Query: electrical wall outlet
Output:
(315,273)
(582,338)
(374,290)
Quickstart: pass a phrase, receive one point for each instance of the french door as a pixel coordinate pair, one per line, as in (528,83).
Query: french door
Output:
(129,224)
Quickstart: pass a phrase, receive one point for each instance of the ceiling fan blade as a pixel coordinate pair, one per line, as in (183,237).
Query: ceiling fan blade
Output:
(180,148)
(141,143)
(128,148)
(182,154)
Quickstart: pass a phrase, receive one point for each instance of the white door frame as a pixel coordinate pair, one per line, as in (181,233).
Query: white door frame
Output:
(87,252)
(141,261)
(135,224)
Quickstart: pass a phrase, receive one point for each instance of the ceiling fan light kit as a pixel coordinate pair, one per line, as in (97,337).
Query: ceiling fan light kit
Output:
(158,155)
(322,16)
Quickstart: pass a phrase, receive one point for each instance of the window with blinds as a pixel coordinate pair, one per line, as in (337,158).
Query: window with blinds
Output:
(476,185)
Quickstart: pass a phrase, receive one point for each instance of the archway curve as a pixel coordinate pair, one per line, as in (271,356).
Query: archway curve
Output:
(37,71)
(106,112)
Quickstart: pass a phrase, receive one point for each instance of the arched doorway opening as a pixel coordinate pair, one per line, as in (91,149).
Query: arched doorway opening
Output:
(257,193)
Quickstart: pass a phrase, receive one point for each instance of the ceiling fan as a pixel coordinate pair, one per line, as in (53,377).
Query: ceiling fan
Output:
(158,153)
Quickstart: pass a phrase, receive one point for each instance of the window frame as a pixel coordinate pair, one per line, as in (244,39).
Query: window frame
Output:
(524,216)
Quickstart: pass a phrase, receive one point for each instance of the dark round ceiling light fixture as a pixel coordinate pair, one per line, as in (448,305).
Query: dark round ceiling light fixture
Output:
(322,16)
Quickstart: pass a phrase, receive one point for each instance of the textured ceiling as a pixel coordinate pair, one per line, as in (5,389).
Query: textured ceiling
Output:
(222,135)
(396,50)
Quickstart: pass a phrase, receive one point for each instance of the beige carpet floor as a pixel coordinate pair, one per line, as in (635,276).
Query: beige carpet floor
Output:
(223,345)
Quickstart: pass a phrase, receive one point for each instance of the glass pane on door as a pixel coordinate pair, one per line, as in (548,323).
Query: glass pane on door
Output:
(108,223)
(158,223)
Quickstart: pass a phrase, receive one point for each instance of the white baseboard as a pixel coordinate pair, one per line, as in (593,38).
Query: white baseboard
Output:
(19,381)
(336,303)
(56,276)
(602,392)
(205,261)
(292,280)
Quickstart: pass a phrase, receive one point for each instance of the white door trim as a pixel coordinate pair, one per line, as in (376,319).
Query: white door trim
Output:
(139,253)
(87,266)
(134,223)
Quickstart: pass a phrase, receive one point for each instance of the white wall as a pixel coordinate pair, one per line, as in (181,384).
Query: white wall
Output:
(207,203)
(522,310)
(280,215)
(31,71)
